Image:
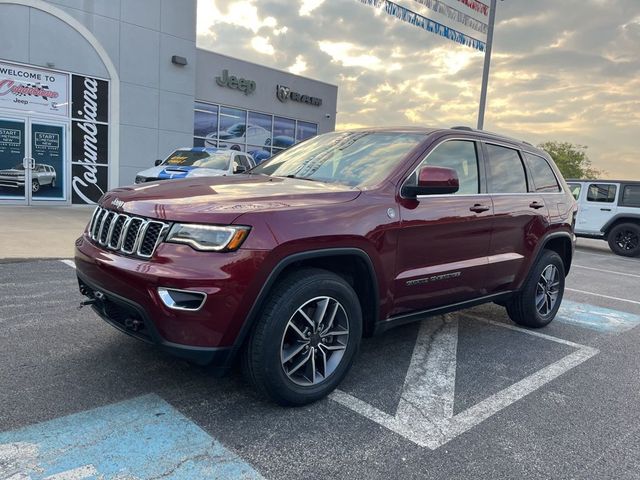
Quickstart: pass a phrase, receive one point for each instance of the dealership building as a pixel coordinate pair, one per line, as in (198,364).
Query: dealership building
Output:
(91,92)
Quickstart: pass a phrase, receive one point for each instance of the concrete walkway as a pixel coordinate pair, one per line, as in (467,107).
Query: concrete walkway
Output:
(41,232)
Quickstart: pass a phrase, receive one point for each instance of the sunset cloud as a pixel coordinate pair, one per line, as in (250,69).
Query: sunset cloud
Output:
(565,71)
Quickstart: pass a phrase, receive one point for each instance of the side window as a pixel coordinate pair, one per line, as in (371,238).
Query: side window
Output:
(631,196)
(542,174)
(575,189)
(506,172)
(459,155)
(601,192)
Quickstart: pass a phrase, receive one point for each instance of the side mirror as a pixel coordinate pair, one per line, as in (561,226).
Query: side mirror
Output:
(434,181)
(157,162)
(240,169)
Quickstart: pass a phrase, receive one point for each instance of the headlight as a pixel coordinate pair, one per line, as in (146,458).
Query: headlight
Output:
(208,237)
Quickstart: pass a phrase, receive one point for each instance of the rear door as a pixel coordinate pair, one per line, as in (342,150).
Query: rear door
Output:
(599,205)
(520,217)
(443,240)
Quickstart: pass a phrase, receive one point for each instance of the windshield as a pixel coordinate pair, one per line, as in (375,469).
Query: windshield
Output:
(18,167)
(184,158)
(350,158)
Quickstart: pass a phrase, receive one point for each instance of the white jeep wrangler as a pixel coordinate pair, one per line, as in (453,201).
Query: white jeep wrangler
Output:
(609,210)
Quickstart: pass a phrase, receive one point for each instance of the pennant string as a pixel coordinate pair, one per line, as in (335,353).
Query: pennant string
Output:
(455,15)
(476,6)
(417,20)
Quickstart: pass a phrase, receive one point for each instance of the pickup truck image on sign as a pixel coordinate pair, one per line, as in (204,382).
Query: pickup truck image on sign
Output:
(287,266)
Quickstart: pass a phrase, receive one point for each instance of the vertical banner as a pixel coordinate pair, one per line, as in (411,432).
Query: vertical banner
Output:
(89,138)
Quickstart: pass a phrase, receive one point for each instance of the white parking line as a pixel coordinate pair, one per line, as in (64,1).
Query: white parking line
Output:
(425,411)
(69,263)
(606,271)
(603,296)
(609,257)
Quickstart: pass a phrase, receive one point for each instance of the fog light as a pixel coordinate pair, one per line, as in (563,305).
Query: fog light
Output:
(182,299)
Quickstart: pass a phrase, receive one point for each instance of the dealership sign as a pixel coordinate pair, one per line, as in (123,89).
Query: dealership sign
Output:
(235,83)
(34,89)
(285,93)
(89,139)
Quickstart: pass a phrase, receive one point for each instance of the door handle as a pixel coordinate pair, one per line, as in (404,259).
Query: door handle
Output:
(605,209)
(536,205)
(478,208)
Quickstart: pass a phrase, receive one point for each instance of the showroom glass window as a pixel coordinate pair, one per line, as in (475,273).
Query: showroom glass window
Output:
(506,171)
(542,174)
(459,155)
(259,134)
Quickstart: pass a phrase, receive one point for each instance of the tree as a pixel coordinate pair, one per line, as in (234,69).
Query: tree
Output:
(571,159)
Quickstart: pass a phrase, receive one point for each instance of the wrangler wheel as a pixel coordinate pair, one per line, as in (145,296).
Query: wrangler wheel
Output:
(624,239)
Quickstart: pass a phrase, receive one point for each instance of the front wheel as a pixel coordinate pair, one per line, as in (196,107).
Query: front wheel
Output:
(538,302)
(306,338)
(624,239)
(35,186)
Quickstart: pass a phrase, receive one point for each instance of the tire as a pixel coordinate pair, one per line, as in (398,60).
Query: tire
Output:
(274,338)
(35,186)
(624,239)
(53,183)
(525,308)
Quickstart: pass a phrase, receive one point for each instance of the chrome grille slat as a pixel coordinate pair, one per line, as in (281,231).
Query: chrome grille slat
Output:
(129,235)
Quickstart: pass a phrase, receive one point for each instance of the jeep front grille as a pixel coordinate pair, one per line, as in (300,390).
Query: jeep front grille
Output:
(125,233)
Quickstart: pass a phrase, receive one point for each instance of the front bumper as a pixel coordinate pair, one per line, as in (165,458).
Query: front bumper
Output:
(129,287)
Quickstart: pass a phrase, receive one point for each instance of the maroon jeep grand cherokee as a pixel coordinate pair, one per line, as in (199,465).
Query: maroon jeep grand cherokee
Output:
(344,235)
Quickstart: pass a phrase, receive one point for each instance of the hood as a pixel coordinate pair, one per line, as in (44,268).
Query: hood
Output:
(223,199)
(168,172)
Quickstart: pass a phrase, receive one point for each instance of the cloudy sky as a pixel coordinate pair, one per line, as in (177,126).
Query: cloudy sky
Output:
(561,70)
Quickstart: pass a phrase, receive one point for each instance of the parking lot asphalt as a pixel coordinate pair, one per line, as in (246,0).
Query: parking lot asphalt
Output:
(466,395)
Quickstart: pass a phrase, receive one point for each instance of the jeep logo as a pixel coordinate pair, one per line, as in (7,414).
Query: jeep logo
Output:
(231,81)
(116,202)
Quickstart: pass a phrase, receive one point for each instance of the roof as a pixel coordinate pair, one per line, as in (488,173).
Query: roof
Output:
(453,130)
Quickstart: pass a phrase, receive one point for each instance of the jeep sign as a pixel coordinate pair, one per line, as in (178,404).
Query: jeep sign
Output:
(231,81)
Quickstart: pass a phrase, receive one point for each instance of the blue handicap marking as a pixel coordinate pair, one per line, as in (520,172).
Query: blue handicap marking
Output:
(596,318)
(141,438)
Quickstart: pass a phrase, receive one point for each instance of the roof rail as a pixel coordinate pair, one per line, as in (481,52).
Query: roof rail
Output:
(527,143)
(462,127)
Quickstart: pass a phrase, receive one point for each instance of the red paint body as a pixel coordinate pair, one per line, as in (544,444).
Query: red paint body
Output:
(432,237)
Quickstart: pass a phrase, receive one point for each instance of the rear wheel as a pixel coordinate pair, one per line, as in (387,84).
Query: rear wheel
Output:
(307,336)
(538,302)
(624,239)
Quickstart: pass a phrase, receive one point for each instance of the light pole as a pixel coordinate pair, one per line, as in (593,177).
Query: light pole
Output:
(487,64)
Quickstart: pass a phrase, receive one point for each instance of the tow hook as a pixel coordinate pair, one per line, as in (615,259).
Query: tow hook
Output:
(90,301)
(97,297)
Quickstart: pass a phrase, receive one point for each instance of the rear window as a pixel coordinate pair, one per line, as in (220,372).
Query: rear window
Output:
(544,180)
(631,196)
(601,192)
(506,172)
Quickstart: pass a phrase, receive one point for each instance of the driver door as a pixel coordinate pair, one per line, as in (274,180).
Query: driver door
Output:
(443,240)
